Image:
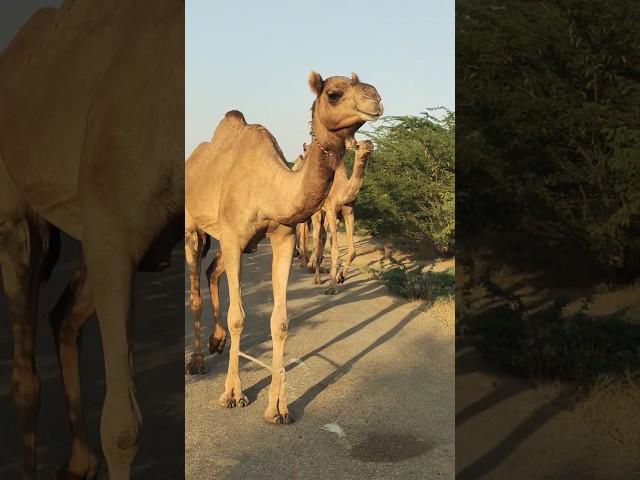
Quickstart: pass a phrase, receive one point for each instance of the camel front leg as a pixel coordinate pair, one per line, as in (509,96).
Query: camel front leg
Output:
(193,243)
(282,243)
(19,262)
(349,221)
(332,226)
(218,337)
(67,318)
(110,271)
(232,395)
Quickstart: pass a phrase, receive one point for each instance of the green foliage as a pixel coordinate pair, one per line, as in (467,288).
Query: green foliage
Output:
(550,143)
(408,189)
(414,284)
(542,343)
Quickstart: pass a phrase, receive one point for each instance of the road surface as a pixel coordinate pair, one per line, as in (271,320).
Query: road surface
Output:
(370,381)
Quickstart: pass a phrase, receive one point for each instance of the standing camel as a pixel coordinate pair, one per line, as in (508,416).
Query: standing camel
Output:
(89,95)
(338,204)
(239,191)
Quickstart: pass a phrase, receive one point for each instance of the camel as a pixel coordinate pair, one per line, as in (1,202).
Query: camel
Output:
(239,191)
(338,205)
(89,95)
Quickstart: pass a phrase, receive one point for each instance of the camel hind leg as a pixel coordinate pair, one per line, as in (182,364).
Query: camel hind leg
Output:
(218,337)
(194,242)
(67,318)
(20,255)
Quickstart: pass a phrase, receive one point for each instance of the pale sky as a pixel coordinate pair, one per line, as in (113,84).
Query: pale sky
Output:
(255,56)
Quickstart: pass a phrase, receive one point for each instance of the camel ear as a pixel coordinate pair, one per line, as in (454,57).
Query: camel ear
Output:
(354,79)
(316,83)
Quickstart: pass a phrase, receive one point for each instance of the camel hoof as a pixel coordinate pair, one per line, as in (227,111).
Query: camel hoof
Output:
(216,345)
(332,291)
(231,402)
(285,419)
(340,278)
(196,365)
(63,473)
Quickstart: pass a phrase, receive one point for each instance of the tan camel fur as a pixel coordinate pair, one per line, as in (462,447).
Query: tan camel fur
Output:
(92,151)
(338,205)
(239,190)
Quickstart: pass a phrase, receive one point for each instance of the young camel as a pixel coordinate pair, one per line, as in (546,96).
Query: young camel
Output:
(239,191)
(338,204)
(102,163)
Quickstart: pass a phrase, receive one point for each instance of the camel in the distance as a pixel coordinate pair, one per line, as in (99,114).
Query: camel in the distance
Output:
(103,163)
(239,191)
(338,205)
(301,228)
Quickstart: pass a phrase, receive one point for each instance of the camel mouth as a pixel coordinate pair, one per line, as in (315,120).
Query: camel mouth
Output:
(368,117)
(371,116)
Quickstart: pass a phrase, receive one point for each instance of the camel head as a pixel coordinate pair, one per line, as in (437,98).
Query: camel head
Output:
(364,149)
(343,104)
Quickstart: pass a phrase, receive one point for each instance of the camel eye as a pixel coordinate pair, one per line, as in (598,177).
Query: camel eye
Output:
(334,95)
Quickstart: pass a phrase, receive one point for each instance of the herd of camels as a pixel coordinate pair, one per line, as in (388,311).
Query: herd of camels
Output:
(87,148)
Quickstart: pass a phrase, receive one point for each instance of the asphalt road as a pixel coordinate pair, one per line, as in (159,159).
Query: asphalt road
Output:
(159,377)
(370,381)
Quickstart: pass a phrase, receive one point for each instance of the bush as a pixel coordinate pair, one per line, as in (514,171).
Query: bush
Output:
(542,343)
(562,168)
(409,189)
(417,285)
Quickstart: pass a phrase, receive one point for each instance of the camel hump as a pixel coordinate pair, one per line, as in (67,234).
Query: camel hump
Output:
(235,116)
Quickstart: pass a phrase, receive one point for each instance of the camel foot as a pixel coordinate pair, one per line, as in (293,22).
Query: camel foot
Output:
(279,419)
(63,473)
(196,365)
(340,278)
(216,345)
(232,401)
(333,290)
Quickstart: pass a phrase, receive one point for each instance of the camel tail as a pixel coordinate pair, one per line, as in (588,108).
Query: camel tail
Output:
(52,255)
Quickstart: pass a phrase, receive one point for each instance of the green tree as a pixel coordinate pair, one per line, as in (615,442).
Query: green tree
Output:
(409,188)
(549,148)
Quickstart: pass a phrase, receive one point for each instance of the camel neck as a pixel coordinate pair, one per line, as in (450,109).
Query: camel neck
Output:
(357,175)
(306,189)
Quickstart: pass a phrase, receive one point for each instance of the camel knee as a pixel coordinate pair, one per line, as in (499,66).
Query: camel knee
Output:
(120,430)
(235,319)
(195,302)
(279,325)
(25,389)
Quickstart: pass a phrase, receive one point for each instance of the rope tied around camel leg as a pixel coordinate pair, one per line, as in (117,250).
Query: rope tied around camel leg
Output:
(255,360)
